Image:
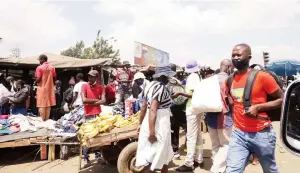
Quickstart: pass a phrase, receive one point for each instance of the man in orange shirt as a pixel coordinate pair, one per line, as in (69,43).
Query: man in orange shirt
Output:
(250,134)
(45,95)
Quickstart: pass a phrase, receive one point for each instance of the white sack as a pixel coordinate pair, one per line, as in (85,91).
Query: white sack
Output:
(207,96)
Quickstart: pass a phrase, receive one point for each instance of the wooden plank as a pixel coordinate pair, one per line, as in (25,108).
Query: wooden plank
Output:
(12,144)
(51,153)
(118,130)
(43,152)
(108,138)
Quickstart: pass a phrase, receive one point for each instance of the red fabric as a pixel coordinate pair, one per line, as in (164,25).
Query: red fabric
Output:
(263,85)
(45,66)
(45,94)
(92,92)
(4,117)
(110,92)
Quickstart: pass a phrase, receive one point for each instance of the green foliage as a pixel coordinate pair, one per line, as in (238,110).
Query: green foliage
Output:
(101,48)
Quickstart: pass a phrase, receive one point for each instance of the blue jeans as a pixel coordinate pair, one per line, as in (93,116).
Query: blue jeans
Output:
(15,111)
(85,150)
(242,144)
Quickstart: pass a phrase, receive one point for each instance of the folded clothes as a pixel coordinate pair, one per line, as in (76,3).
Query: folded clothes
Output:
(4,122)
(4,117)
(2,127)
(14,129)
(5,131)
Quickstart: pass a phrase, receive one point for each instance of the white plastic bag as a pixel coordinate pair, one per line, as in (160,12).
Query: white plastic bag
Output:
(207,96)
(4,93)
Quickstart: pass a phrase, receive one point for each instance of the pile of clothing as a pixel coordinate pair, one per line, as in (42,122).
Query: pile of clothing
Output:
(20,123)
(118,109)
(68,122)
(6,128)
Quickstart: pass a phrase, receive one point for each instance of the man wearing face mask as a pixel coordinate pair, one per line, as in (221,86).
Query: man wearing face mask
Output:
(93,96)
(252,134)
(18,99)
(220,123)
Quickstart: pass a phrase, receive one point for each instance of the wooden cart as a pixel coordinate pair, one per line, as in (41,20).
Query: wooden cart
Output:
(118,146)
(42,137)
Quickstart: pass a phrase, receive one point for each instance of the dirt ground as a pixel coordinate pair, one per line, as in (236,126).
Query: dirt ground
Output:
(11,161)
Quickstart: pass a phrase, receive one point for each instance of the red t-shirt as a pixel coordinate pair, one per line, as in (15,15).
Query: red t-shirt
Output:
(110,91)
(264,84)
(92,92)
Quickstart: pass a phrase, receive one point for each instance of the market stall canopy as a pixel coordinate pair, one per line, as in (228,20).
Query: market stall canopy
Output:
(284,67)
(58,61)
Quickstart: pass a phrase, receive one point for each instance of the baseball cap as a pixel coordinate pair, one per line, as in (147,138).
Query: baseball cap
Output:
(93,73)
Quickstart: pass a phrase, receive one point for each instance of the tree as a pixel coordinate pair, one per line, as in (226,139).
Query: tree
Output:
(101,48)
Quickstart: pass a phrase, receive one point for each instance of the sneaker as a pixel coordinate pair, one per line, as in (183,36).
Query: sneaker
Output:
(196,164)
(184,168)
(86,163)
(176,155)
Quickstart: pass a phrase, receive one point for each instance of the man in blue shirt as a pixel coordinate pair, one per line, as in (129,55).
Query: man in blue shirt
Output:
(220,123)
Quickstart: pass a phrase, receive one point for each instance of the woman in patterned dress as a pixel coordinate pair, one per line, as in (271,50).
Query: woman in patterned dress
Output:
(154,146)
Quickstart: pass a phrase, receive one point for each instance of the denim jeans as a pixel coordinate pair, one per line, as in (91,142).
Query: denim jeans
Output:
(15,111)
(242,144)
(85,150)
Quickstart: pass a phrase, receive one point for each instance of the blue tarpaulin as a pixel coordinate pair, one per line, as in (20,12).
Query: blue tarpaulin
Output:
(284,67)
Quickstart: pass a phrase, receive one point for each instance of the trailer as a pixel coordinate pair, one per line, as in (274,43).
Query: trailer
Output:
(119,147)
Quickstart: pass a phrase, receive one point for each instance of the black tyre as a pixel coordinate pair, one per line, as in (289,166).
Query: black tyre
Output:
(126,160)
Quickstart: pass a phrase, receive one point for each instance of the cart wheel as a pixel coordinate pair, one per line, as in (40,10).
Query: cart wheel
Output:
(126,161)
(64,152)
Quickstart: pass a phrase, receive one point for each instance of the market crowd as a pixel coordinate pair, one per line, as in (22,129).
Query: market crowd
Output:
(164,101)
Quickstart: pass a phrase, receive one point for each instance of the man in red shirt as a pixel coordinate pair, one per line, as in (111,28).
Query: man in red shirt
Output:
(92,97)
(110,90)
(250,134)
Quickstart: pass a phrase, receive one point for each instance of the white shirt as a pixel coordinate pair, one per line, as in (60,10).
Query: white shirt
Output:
(77,88)
(192,82)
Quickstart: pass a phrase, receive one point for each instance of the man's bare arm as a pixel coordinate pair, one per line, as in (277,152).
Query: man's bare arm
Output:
(102,100)
(87,100)
(272,104)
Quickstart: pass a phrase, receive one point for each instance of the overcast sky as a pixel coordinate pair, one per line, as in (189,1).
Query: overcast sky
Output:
(198,30)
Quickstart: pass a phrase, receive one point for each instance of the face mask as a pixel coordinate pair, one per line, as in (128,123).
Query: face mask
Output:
(240,64)
(140,83)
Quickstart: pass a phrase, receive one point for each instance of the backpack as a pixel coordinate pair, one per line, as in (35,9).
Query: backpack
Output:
(273,115)
(173,86)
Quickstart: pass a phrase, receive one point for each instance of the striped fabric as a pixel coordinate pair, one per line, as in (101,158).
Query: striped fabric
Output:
(157,91)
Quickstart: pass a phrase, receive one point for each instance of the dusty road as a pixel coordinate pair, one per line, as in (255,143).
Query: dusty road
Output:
(287,163)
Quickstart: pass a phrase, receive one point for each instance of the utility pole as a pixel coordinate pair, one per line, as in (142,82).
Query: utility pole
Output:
(266,58)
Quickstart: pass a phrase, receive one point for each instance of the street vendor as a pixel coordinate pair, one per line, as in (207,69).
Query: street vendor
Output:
(124,78)
(45,95)
(19,98)
(93,96)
